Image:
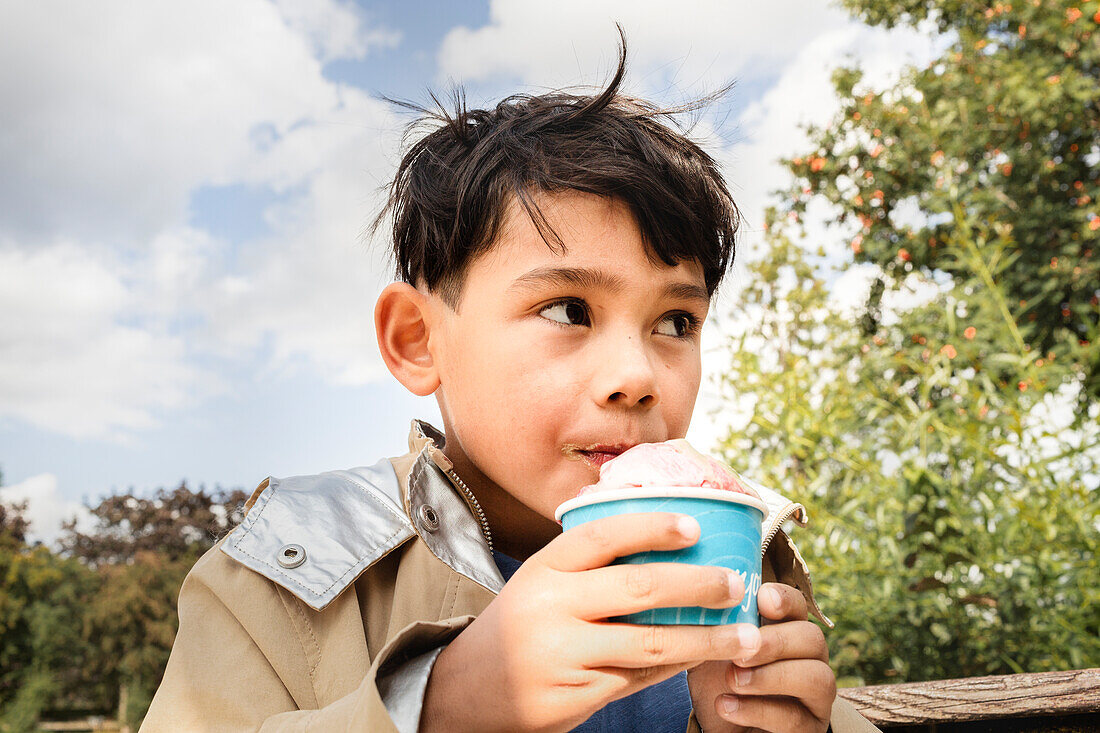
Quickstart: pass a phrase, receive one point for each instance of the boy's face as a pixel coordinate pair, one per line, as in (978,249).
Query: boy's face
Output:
(555,362)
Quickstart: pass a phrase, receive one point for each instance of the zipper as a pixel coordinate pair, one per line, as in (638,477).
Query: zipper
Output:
(473,502)
(789,511)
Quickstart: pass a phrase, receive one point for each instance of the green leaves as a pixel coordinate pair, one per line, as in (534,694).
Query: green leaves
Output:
(79,625)
(1005,125)
(947,451)
(941,462)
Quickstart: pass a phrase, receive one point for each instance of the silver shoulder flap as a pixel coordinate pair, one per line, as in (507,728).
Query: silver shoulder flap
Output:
(314,535)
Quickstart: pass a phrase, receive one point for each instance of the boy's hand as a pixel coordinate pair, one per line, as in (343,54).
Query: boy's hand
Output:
(541,657)
(785,686)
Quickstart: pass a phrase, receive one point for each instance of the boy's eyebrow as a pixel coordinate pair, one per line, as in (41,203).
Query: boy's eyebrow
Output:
(592,278)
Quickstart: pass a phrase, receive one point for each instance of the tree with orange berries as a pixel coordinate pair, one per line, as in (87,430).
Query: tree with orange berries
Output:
(951,489)
(1006,123)
(944,436)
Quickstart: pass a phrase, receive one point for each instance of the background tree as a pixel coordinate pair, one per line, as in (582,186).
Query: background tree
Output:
(173,524)
(142,548)
(1009,118)
(43,653)
(953,483)
(955,529)
(89,628)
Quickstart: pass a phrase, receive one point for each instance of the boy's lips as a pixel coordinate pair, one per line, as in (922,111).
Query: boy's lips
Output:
(596,454)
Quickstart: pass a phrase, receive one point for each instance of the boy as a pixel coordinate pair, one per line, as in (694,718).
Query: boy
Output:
(557,256)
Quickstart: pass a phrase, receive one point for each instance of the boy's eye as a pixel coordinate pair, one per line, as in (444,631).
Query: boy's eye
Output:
(567,312)
(677,324)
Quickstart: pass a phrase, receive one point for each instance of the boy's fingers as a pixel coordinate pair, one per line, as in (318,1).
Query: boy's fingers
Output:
(621,589)
(773,714)
(788,640)
(636,646)
(597,543)
(781,602)
(811,681)
(628,681)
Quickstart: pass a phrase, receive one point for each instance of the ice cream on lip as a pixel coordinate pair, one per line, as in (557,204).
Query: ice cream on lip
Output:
(671,463)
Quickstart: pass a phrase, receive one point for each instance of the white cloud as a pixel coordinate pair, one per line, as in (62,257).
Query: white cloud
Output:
(114,117)
(337,30)
(46,508)
(310,288)
(699,43)
(114,114)
(75,359)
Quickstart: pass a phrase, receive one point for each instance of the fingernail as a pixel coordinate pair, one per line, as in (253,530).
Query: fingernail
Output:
(737,585)
(729,704)
(748,637)
(687,527)
(774,599)
(742,676)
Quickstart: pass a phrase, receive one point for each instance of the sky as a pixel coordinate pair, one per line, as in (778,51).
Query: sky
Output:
(186,276)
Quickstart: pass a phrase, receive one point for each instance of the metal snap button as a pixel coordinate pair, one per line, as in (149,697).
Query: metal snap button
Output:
(291,556)
(429,520)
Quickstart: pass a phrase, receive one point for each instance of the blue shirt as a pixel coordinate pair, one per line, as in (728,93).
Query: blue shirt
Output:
(660,708)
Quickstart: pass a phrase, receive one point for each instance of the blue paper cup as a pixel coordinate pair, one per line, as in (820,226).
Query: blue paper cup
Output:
(730,538)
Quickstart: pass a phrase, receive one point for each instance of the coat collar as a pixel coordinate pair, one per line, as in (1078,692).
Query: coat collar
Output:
(315,535)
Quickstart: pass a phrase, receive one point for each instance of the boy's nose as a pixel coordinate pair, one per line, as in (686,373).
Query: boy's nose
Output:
(626,378)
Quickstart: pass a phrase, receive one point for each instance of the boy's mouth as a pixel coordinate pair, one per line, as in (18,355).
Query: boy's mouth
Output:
(595,455)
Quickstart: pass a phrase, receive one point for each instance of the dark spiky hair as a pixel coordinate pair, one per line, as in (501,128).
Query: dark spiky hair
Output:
(453,186)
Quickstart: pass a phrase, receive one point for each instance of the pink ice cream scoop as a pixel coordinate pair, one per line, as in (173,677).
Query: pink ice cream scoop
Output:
(673,463)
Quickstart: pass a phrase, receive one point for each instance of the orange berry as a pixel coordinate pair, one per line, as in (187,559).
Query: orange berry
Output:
(903,253)
(949,351)
(970,332)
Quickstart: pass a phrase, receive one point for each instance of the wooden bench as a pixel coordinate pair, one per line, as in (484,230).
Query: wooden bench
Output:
(1062,702)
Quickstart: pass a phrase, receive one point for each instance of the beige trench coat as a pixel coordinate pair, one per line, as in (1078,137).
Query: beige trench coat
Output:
(325,609)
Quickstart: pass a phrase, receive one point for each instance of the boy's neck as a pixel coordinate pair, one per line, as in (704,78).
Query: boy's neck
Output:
(518,531)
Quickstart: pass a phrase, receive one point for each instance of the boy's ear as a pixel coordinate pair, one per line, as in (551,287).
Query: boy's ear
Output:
(402,322)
